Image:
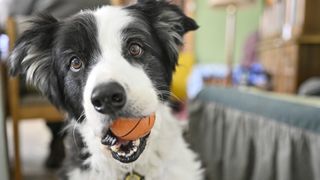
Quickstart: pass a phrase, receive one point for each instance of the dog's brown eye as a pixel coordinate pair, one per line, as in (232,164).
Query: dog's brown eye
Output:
(75,64)
(135,50)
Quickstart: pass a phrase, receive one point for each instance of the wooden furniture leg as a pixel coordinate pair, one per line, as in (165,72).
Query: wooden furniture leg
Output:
(13,87)
(16,140)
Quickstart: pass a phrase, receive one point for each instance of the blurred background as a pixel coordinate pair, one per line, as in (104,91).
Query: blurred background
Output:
(246,90)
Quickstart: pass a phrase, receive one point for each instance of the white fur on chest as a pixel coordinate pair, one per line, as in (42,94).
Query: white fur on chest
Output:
(166,156)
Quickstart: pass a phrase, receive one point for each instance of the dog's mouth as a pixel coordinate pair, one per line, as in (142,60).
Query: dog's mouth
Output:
(124,151)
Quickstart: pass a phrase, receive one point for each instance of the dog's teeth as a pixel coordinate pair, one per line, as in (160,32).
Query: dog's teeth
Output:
(114,141)
(136,143)
(134,149)
(130,153)
(121,153)
(115,148)
(109,140)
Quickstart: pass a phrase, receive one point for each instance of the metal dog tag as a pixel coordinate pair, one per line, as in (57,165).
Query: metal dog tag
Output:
(134,176)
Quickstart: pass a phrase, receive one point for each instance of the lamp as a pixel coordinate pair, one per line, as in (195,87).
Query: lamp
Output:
(231,7)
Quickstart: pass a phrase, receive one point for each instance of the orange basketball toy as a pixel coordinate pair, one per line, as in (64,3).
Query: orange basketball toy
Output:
(132,128)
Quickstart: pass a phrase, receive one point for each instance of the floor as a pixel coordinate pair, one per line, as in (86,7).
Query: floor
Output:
(35,138)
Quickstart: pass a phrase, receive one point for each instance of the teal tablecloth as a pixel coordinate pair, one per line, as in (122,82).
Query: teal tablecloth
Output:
(243,135)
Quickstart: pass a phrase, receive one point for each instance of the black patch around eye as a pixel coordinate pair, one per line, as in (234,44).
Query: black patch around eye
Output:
(153,60)
(76,38)
(79,37)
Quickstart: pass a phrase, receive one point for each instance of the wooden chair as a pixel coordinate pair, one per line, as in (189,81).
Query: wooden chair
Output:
(25,107)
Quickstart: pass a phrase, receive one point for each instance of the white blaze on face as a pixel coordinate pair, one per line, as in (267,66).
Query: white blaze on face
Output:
(142,98)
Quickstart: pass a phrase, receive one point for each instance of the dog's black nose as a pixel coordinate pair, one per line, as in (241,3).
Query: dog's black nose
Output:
(108,98)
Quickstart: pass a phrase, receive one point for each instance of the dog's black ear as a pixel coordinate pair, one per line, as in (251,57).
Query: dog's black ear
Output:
(167,14)
(33,46)
(32,55)
(169,22)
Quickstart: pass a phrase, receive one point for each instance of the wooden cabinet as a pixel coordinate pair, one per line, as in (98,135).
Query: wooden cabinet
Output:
(290,50)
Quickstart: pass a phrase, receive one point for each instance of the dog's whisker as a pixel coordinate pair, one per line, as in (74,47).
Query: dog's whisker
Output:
(170,94)
(73,136)
(75,125)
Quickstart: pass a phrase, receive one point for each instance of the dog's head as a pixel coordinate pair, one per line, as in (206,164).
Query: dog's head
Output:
(103,64)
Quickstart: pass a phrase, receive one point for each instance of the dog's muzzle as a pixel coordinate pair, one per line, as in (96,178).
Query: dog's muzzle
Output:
(109,99)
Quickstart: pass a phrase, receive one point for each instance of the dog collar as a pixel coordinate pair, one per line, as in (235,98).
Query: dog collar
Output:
(133,176)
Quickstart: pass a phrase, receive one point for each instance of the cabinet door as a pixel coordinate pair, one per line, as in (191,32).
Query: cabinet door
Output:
(281,64)
(289,68)
(309,62)
(270,61)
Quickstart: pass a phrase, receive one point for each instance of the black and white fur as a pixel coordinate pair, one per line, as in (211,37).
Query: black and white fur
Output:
(100,40)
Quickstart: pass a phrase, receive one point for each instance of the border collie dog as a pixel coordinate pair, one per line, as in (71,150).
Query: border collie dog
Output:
(107,63)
